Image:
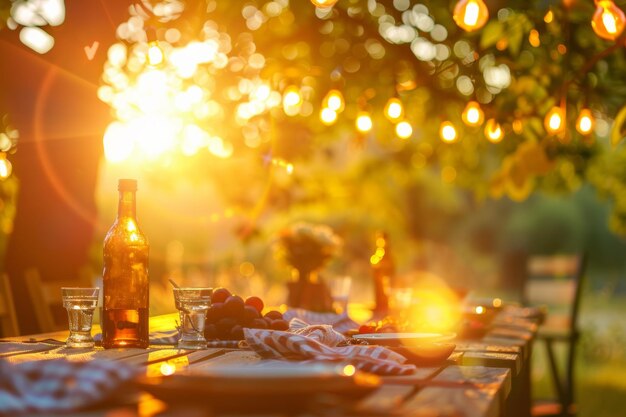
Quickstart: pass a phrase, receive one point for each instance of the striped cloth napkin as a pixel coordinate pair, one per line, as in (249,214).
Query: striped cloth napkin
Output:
(58,385)
(340,322)
(320,342)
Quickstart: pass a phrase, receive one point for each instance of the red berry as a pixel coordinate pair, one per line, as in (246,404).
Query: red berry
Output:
(215,312)
(274,315)
(224,327)
(233,306)
(250,313)
(279,325)
(259,324)
(236,333)
(220,295)
(255,302)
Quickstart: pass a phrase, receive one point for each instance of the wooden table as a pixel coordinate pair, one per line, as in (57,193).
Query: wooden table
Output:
(486,377)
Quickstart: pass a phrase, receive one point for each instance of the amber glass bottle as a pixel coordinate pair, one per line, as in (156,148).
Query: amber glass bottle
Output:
(383,270)
(125,277)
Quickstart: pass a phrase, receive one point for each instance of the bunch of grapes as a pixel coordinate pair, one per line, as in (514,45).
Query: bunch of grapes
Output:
(229,314)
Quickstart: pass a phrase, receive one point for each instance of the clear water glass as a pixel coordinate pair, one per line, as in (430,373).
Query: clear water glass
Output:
(80,304)
(192,305)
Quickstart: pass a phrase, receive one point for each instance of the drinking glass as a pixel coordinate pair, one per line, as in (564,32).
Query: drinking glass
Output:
(80,304)
(192,305)
(340,293)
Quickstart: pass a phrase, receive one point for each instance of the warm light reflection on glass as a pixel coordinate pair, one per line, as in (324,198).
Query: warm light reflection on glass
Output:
(585,122)
(363,122)
(608,20)
(493,131)
(447,132)
(324,3)
(328,116)
(334,101)
(473,115)
(554,121)
(394,109)
(404,130)
(155,54)
(291,96)
(471,15)
(5,166)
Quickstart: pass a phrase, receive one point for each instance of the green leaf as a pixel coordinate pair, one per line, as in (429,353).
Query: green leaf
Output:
(491,34)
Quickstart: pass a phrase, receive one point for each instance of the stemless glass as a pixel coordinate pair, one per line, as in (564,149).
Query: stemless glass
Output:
(80,304)
(192,304)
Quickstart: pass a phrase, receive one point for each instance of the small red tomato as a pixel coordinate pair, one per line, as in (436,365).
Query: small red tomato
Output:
(366,328)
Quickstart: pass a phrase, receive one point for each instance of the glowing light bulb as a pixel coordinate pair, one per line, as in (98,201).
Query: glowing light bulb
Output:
(363,122)
(5,166)
(404,130)
(470,15)
(608,20)
(328,116)
(493,131)
(292,97)
(585,122)
(447,132)
(324,3)
(394,109)
(473,115)
(554,121)
(155,54)
(334,101)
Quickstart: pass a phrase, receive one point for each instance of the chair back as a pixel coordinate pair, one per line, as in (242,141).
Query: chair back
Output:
(8,316)
(556,282)
(46,299)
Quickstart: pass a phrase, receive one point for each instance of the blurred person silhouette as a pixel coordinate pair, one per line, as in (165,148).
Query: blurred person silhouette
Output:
(51,98)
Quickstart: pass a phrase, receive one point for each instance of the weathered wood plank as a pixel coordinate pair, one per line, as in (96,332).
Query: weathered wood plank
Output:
(513,333)
(487,347)
(496,381)
(505,341)
(384,400)
(420,375)
(81,354)
(19,348)
(235,357)
(452,402)
(493,359)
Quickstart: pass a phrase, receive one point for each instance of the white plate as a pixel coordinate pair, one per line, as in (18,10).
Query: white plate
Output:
(404,339)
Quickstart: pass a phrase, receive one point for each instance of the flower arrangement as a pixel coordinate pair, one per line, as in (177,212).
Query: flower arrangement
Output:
(307,247)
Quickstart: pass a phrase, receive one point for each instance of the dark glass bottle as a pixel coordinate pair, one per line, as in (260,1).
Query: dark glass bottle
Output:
(125,277)
(383,270)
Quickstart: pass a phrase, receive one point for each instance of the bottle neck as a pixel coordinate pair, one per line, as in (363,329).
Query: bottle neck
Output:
(126,206)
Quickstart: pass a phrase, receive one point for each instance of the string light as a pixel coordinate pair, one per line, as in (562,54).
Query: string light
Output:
(404,130)
(363,122)
(334,101)
(324,3)
(155,54)
(471,15)
(5,166)
(473,115)
(548,17)
(493,131)
(447,132)
(585,122)
(292,97)
(554,121)
(608,20)
(394,110)
(328,116)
